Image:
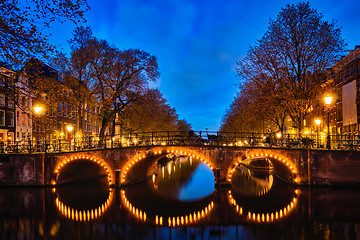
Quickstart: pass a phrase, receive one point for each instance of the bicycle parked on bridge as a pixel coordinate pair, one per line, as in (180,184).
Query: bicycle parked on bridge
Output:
(351,144)
(15,147)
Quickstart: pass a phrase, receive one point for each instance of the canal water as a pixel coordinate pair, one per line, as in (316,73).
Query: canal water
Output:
(179,200)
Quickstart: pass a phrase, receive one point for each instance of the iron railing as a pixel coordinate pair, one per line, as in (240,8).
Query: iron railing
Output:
(188,138)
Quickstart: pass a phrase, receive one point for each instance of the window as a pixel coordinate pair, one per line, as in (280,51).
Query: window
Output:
(65,110)
(10,103)
(23,119)
(11,119)
(60,108)
(2,118)
(2,99)
(17,117)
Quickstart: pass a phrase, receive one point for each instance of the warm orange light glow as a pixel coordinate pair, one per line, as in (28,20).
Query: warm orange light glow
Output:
(38,109)
(328,100)
(317,122)
(264,217)
(60,165)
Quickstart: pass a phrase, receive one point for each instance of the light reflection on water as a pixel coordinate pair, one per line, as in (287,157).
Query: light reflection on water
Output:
(185,179)
(141,212)
(253,178)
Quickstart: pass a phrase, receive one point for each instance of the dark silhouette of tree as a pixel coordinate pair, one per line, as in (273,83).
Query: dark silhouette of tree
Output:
(183,126)
(22,24)
(149,113)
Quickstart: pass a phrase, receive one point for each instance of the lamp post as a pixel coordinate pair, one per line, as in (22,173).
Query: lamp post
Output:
(70,128)
(38,110)
(317,122)
(328,100)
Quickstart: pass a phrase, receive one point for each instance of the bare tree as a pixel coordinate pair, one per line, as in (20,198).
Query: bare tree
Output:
(150,113)
(118,77)
(294,53)
(77,74)
(22,24)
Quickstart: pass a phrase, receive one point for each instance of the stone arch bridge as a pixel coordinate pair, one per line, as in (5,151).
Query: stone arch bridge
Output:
(297,166)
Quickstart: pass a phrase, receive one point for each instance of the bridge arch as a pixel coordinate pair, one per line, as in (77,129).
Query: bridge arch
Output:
(80,157)
(157,151)
(118,162)
(278,159)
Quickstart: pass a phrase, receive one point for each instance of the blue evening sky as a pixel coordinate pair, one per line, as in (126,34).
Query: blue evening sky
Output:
(197,43)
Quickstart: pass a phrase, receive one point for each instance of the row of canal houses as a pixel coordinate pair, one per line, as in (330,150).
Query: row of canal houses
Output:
(342,115)
(56,120)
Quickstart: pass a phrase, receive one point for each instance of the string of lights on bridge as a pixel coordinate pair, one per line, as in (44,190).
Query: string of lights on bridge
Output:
(285,161)
(132,162)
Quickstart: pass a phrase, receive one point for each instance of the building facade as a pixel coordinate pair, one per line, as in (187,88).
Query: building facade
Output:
(58,118)
(7,106)
(342,115)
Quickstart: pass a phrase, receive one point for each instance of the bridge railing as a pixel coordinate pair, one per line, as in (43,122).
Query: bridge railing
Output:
(189,138)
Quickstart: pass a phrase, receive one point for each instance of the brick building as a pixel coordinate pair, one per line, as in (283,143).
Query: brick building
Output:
(7,108)
(343,114)
(59,119)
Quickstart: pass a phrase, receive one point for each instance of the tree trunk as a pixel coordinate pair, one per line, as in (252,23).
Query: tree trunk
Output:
(104,124)
(79,121)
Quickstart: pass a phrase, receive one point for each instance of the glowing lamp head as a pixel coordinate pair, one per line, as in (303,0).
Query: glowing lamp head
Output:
(69,128)
(328,100)
(278,135)
(38,109)
(317,122)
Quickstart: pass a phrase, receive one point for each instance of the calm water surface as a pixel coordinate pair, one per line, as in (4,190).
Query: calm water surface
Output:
(181,202)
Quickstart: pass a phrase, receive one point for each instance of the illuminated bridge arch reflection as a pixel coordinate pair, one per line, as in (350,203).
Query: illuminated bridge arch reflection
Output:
(83,214)
(258,193)
(82,187)
(158,197)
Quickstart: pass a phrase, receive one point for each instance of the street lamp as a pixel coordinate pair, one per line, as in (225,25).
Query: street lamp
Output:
(70,128)
(328,100)
(38,110)
(317,122)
